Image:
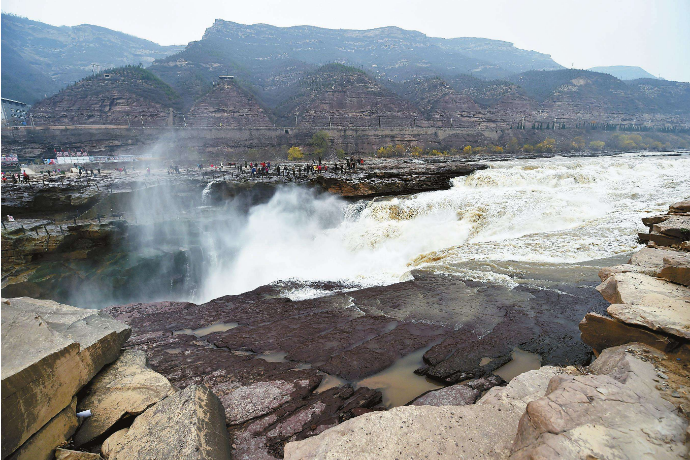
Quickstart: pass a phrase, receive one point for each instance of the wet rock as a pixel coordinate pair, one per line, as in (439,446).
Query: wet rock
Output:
(460,394)
(349,335)
(69,196)
(672,229)
(56,432)
(614,415)
(454,395)
(601,332)
(299,419)
(260,398)
(49,352)
(656,239)
(395,178)
(127,387)
(650,221)
(482,430)
(189,424)
(64,454)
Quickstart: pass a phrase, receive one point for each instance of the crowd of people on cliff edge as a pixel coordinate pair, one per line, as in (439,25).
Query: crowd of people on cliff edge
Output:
(245,169)
(265,169)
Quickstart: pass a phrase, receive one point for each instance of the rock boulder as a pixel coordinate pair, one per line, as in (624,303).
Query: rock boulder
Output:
(127,387)
(619,414)
(483,430)
(49,352)
(189,424)
(460,394)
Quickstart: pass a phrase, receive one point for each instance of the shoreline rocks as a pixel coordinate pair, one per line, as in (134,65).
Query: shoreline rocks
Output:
(189,424)
(49,352)
(649,295)
(482,430)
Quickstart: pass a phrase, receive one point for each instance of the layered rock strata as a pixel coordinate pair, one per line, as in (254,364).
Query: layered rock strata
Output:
(649,295)
(49,352)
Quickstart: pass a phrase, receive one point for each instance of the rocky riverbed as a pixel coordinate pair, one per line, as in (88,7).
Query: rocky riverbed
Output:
(313,369)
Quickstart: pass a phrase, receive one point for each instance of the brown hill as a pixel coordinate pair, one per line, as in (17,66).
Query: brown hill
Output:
(440,104)
(337,95)
(228,105)
(124,96)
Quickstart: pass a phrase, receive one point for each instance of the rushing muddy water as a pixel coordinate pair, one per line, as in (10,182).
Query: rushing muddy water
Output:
(541,211)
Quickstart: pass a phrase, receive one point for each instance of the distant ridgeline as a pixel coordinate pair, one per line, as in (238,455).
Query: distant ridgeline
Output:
(338,96)
(307,78)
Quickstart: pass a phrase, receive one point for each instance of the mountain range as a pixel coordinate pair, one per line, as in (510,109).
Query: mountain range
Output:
(39,59)
(312,76)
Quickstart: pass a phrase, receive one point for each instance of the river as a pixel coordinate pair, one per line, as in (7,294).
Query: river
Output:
(494,225)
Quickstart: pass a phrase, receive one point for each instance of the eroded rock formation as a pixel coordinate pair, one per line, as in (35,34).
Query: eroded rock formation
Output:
(49,352)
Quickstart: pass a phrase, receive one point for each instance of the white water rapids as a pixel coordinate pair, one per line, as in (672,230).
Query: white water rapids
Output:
(555,210)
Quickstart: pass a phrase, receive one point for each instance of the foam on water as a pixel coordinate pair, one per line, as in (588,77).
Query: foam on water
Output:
(555,210)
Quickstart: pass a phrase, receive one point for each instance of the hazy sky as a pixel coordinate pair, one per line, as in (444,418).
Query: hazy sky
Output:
(653,34)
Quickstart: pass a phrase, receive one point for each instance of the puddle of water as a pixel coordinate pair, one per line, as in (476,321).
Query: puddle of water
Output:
(273,357)
(202,331)
(523,361)
(330,381)
(485,361)
(303,366)
(399,384)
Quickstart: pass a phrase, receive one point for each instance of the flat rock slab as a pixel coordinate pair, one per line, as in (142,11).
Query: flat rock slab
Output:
(601,332)
(350,335)
(677,226)
(646,301)
(679,207)
(676,268)
(189,424)
(673,320)
(479,431)
(49,352)
(126,387)
(619,415)
(460,394)
(265,437)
